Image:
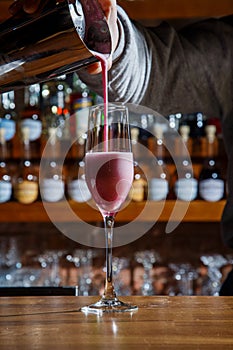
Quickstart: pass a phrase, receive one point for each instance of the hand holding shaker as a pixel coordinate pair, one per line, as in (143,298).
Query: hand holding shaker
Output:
(58,39)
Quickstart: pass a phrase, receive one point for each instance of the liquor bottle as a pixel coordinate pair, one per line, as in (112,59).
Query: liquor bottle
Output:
(8,119)
(183,143)
(197,123)
(55,109)
(26,182)
(5,177)
(145,124)
(76,183)
(211,183)
(170,134)
(139,189)
(158,184)
(30,118)
(186,185)
(81,95)
(52,185)
(55,96)
(156,142)
(210,143)
(136,147)
(80,99)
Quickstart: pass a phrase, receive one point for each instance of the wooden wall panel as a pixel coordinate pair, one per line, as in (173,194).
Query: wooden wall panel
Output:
(153,9)
(166,9)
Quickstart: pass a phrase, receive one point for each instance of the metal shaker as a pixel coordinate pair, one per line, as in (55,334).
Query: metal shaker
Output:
(58,39)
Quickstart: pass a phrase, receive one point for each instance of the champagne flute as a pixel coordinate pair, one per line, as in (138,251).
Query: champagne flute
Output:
(109,175)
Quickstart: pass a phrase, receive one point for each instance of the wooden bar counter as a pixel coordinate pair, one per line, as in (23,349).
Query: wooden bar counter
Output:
(55,322)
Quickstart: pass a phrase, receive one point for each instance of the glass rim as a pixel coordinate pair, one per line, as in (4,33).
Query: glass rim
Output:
(111,106)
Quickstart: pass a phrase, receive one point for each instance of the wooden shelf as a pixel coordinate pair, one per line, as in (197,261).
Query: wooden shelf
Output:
(171,9)
(196,211)
(160,9)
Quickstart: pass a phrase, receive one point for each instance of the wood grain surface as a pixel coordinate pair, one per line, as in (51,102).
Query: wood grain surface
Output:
(70,211)
(160,323)
(152,9)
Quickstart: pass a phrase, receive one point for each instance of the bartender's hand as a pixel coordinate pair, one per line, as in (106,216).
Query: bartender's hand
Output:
(110,10)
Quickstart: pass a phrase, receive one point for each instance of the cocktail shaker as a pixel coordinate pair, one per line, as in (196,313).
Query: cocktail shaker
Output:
(58,39)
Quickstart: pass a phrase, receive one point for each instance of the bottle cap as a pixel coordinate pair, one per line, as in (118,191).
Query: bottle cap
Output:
(184,132)
(134,134)
(158,131)
(25,131)
(210,132)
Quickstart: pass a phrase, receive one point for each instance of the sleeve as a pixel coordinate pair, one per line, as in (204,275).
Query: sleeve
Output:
(172,71)
(131,53)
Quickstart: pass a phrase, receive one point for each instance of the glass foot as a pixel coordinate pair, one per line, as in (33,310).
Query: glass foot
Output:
(106,305)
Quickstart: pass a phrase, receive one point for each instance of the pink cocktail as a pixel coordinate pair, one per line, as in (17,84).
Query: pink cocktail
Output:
(109,176)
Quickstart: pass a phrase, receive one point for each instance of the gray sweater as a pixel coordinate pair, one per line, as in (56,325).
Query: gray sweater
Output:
(177,71)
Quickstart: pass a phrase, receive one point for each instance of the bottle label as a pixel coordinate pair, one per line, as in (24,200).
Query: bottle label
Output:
(186,189)
(137,191)
(158,189)
(9,126)
(26,192)
(52,190)
(82,102)
(78,191)
(34,126)
(211,190)
(5,191)
(81,121)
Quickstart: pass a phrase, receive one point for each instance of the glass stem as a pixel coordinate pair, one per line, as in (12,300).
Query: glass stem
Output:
(109,292)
